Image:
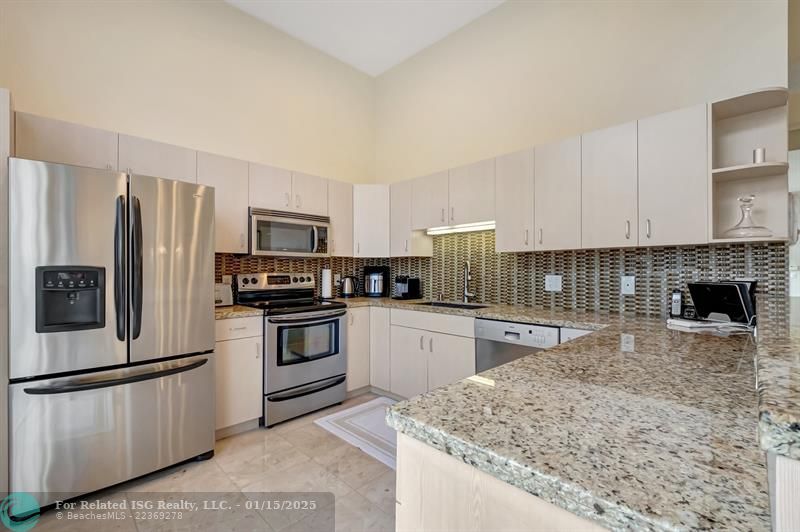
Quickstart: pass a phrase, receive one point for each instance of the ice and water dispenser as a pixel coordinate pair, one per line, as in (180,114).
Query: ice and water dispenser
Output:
(69,298)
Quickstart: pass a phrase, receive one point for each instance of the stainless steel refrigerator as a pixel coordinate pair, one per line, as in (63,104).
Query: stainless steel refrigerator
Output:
(111,326)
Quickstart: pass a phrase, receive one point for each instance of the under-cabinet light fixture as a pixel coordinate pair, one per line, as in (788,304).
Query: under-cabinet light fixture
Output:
(462,228)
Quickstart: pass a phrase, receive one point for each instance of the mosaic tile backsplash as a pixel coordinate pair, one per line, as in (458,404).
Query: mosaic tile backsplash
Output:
(590,278)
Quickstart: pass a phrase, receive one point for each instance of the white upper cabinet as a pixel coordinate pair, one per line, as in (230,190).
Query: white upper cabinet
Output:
(157,159)
(371,220)
(46,139)
(514,201)
(557,195)
(340,209)
(673,171)
(608,187)
(229,179)
(270,188)
(405,241)
(429,203)
(471,193)
(310,194)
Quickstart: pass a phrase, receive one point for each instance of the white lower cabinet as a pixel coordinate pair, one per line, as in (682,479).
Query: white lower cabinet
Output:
(423,360)
(409,362)
(239,371)
(450,359)
(358,348)
(380,348)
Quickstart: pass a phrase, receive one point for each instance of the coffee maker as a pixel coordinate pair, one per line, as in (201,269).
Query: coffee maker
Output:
(376,281)
(406,287)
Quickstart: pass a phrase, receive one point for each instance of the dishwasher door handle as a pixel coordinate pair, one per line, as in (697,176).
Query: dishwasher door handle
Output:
(511,335)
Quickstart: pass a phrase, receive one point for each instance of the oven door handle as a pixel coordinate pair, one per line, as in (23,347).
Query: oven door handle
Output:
(302,391)
(310,317)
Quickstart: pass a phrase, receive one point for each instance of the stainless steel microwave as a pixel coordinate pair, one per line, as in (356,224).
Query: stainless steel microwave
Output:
(288,234)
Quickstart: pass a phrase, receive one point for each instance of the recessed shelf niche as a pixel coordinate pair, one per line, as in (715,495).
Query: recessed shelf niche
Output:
(738,126)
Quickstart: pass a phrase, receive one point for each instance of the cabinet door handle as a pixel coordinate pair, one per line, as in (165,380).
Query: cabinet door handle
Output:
(627,229)
(297,201)
(406,245)
(258,350)
(540,235)
(421,339)
(648,227)
(288,199)
(452,214)
(351,318)
(526,237)
(241,240)
(443,214)
(231,329)
(358,247)
(430,344)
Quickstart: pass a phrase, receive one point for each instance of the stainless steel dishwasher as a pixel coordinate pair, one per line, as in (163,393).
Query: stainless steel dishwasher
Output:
(499,342)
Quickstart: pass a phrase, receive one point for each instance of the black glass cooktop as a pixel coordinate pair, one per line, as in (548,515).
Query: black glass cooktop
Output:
(277,307)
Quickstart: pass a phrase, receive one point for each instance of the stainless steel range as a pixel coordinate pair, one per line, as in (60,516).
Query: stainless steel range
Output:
(305,343)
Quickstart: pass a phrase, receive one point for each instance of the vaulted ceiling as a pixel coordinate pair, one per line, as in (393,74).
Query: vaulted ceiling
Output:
(370,35)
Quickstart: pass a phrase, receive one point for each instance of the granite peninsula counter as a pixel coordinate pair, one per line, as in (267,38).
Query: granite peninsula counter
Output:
(661,436)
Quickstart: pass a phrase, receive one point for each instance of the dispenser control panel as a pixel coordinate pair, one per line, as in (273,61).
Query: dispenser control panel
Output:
(70,298)
(70,279)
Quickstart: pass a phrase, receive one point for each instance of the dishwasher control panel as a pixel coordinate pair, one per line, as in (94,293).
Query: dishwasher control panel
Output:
(537,336)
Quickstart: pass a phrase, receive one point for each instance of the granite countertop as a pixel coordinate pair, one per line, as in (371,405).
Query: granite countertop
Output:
(236,311)
(660,437)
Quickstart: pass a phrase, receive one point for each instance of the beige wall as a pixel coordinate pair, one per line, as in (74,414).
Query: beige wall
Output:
(197,74)
(530,72)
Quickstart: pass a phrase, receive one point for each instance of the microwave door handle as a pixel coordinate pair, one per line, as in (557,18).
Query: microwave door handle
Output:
(315,236)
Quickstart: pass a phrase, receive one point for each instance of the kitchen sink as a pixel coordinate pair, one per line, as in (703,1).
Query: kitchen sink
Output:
(445,304)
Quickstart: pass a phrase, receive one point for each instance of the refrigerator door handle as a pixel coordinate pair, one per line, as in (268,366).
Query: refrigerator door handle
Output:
(83,385)
(119,268)
(136,277)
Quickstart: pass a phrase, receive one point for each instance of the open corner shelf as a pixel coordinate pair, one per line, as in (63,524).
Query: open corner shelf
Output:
(749,171)
(750,103)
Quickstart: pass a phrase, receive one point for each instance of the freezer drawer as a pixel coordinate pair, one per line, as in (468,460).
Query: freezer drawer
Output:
(76,435)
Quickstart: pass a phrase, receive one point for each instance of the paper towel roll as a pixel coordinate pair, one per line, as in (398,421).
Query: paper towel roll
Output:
(327,283)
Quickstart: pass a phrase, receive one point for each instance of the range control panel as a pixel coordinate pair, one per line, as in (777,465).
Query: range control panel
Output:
(267,281)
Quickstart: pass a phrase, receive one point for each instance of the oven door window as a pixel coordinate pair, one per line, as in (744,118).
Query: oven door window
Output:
(304,343)
(290,237)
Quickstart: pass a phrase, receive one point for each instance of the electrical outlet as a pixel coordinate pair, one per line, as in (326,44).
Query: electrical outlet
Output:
(227,279)
(337,278)
(552,283)
(627,343)
(628,285)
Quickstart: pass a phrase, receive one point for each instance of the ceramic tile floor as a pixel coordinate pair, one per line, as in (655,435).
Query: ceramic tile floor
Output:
(294,456)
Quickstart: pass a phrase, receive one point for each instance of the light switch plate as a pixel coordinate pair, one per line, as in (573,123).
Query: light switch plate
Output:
(628,285)
(627,343)
(552,283)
